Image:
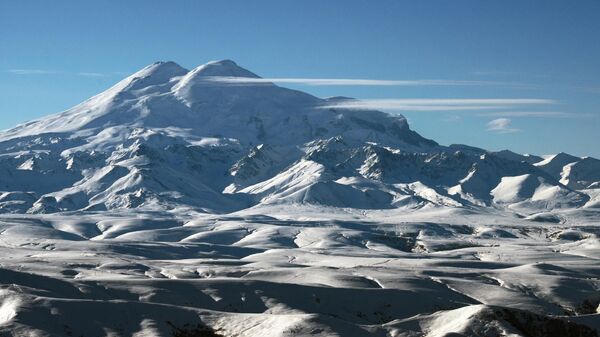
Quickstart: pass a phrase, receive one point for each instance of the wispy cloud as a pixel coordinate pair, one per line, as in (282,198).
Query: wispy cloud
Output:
(501,125)
(308,81)
(54,72)
(436,104)
(354,82)
(31,71)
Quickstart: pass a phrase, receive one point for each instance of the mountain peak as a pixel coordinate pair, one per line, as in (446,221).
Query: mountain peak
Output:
(160,68)
(225,62)
(154,74)
(222,68)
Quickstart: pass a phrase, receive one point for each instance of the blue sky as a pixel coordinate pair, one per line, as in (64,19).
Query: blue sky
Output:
(522,75)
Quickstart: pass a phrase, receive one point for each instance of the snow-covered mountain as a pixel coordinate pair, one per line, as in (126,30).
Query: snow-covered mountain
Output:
(202,203)
(167,138)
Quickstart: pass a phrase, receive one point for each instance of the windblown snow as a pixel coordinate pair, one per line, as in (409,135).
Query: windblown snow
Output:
(179,204)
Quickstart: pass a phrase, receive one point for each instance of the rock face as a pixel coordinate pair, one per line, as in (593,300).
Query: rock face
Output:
(166,138)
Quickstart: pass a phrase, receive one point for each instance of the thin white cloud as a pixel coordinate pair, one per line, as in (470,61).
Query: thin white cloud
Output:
(435,104)
(308,81)
(53,72)
(353,82)
(501,125)
(31,71)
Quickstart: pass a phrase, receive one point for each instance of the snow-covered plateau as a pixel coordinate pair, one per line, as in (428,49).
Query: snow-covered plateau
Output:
(210,203)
